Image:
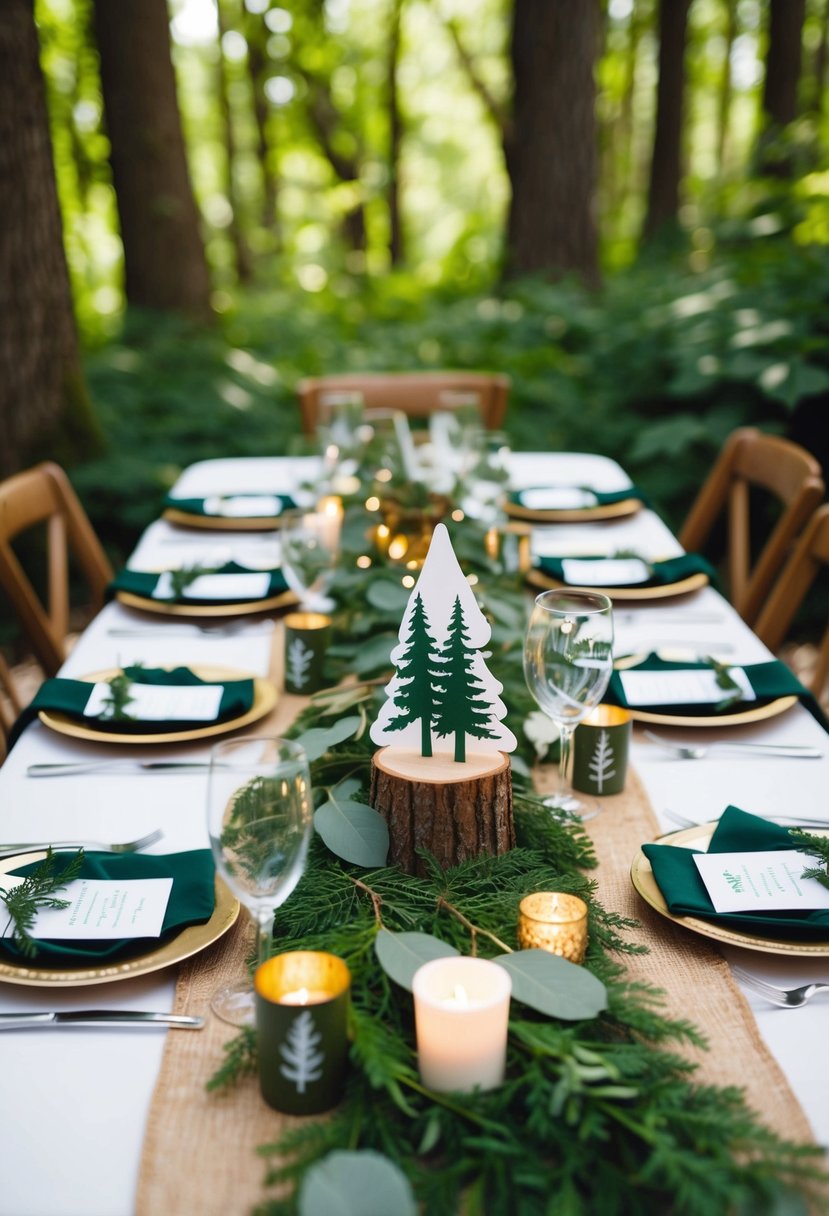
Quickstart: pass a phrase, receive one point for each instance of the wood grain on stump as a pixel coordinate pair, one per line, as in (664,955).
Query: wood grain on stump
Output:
(455,811)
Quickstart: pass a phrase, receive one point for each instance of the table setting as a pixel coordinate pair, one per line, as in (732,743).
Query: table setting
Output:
(341,899)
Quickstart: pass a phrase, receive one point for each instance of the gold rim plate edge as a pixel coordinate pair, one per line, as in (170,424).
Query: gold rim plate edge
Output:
(238,608)
(265,697)
(574,515)
(222,523)
(641,875)
(191,940)
(692,583)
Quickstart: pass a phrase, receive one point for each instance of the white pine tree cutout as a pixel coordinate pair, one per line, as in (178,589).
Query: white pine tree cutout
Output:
(442,589)
(302,1060)
(601,763)
(299,660)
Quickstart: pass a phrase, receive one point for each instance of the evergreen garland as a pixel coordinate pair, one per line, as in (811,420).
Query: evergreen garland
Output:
(596,1118)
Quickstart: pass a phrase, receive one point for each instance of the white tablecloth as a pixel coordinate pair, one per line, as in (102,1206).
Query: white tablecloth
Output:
(75,1102)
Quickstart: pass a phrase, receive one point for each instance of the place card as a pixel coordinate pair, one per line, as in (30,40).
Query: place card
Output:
(243,506)
(610,572)
(761,882)
(558,498)
(161,702)
(252,586)
(685,687)
(100,909)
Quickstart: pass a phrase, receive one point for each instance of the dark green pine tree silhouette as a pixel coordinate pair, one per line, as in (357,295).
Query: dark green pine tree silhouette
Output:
(461,710)
(416,696)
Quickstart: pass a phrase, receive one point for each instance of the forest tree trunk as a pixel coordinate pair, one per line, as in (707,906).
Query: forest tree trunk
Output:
(551,152)
(41,382)
(396,246)
(666,162)
(780,88)
(164,261)
(241,253)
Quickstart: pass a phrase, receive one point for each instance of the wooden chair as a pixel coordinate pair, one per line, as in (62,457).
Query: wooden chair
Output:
(810,553)
(789,474)
(10,705)
(417,394)
(43,496)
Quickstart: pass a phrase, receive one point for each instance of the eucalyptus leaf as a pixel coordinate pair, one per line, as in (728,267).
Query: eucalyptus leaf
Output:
(388,596)
(553,985)
(356,1184)
(353,831)
(319,739)
(373,654)
(401,954)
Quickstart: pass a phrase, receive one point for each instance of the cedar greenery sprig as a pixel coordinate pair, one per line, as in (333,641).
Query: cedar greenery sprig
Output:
(181,579)
(726,681)
(38,890)
(118,698)
(817,846)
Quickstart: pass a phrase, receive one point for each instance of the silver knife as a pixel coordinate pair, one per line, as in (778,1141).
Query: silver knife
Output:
(116,766)
(98,1017)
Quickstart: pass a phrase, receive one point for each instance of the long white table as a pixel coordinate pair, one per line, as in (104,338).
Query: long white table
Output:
(75,1102)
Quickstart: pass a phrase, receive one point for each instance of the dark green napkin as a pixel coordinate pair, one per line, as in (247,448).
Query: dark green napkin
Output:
(70,697)
(142,583)
(191,902)
(195,506)
(769,681)
(662,573)
(737,832)
(603,499)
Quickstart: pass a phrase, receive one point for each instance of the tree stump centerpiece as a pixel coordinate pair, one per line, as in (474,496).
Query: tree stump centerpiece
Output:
(453,798)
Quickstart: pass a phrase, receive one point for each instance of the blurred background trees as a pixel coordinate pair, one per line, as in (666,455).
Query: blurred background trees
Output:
(621,203)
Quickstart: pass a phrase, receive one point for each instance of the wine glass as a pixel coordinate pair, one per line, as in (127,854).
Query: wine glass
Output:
(568,660)
(310,550)
(259,822)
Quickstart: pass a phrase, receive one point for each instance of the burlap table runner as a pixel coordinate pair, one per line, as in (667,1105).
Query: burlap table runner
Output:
(200,1149)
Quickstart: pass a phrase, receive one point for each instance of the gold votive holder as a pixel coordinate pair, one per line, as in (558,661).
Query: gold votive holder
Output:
(553,921)
(302,1030)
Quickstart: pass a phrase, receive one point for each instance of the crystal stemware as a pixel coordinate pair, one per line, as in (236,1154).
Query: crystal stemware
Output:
(310,550)
(259,814)
(568,660)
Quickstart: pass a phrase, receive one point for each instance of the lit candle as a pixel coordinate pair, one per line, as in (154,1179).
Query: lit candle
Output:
(329,519)
(461,1015)
(302,1035)
(552,921)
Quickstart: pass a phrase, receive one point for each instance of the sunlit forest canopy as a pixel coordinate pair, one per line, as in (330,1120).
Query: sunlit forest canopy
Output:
(320,74)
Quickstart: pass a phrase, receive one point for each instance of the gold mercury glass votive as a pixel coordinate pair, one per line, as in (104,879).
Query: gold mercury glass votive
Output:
(550,920)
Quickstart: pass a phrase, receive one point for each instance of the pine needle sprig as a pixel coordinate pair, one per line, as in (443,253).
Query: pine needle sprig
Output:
(38,890)
(816,846)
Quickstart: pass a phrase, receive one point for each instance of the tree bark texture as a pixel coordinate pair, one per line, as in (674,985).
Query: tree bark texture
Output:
(454,821)
(40,374)
(551,151)
(164,261)
(780,100)
(241,252)
(666,162)
(396,247)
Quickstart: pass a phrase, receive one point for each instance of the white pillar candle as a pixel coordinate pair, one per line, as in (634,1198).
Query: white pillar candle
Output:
(461,1015)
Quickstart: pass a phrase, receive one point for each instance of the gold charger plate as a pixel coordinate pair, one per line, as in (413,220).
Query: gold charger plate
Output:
(692,583)
(222,523)
(641,875)
(264,699)
(146,603)
(187,942)
(574,515)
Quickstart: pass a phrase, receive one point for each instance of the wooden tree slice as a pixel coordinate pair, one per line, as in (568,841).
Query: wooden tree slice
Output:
(455,811)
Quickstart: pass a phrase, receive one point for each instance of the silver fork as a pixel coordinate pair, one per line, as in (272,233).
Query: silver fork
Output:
(786,998)
(183,631)
(694,751)
(123,846)
(684,821)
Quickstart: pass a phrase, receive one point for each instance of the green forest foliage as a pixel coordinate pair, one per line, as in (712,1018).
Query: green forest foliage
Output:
(723,327)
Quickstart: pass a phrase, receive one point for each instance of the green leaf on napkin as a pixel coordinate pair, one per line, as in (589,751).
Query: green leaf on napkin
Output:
(553,985)
(38,890)
(353,830)
(817,846)
(356,1183)
(119,697)
(726,681)
(402,954)
(181,579)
